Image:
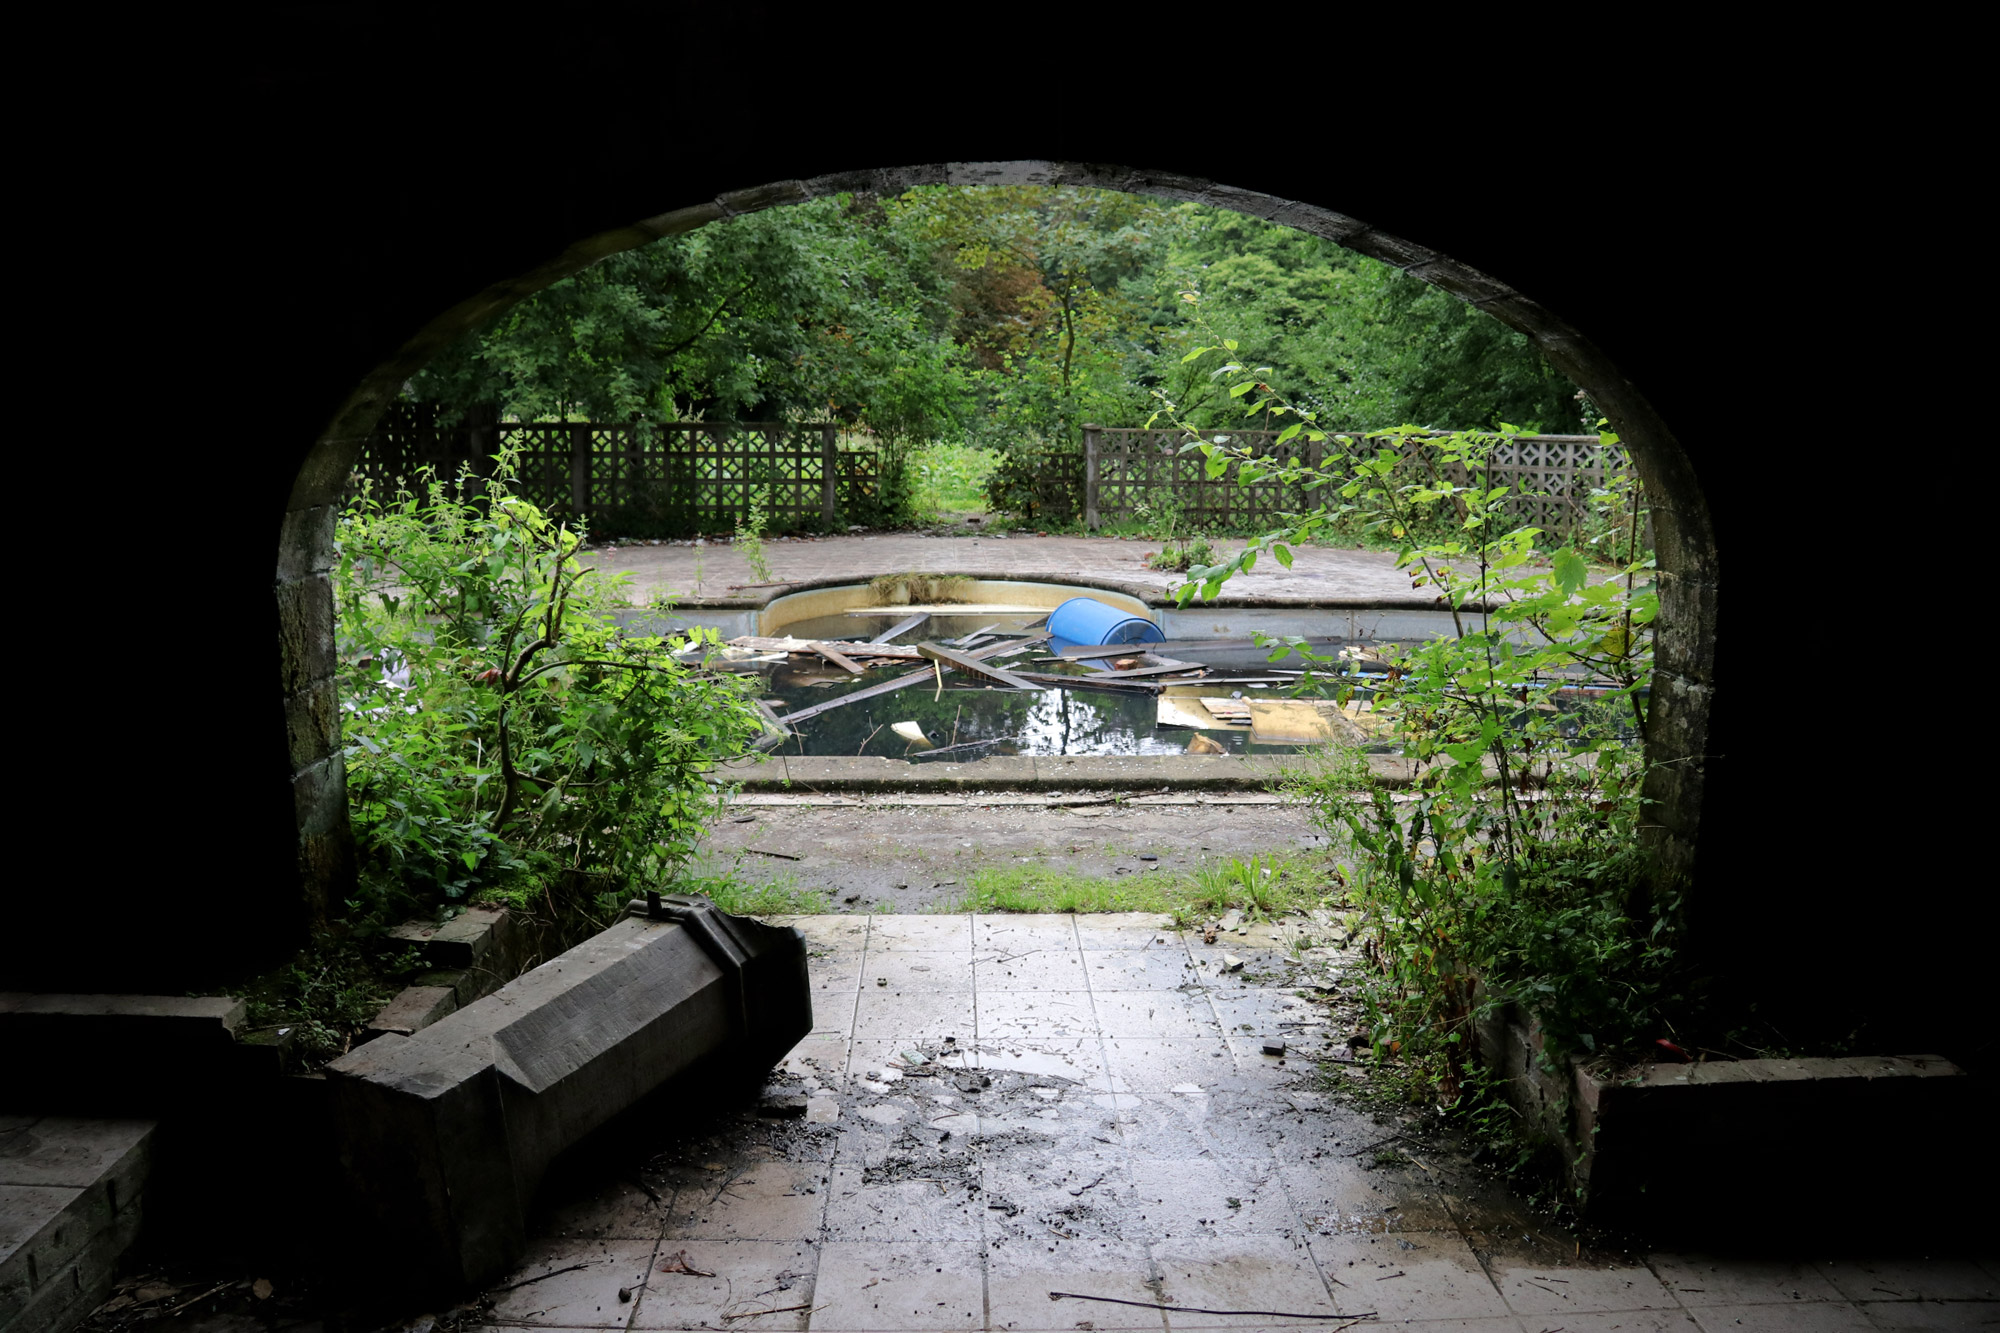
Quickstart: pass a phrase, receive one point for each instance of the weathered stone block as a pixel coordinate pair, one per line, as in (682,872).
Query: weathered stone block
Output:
(70,1206)
(413,1009)
(999,173)
(312,723)
(305,542)
(305,632)
(1648,1152)
(445,1134)
(760,197)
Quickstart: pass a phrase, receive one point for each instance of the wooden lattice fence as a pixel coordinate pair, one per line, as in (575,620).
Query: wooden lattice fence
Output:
(1129,473)
(642,477)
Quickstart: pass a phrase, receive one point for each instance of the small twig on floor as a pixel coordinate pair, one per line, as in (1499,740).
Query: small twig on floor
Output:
(540,1277)
(650,1192)
(204,1296)
(1386,1276)
(782,856)
(1377,1144)
(783,1309)
(1091,1186)
(1196,1309)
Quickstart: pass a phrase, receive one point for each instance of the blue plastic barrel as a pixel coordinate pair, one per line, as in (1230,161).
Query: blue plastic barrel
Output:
(1087,621)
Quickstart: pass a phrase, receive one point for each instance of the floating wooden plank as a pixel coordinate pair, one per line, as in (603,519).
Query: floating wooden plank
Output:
(1300,722)
(769,645)
(1159,668)
(968,640)
(1185,712)
(901,627)
(838,658)
(1045,679)
(973,667)
(775,731)
(904,682)
(1077,653)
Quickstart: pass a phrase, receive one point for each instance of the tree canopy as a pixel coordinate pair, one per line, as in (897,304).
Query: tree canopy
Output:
(1001,315)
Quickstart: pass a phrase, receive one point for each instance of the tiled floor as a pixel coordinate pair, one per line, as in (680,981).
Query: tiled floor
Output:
(1007,1114)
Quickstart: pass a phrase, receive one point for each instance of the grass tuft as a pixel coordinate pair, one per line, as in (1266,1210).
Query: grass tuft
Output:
(1263,887)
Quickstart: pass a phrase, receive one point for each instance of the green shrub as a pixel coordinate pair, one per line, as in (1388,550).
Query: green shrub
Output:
(1514,868)
(503,739)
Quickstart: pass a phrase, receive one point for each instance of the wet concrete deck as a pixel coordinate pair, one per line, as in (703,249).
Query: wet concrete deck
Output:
(997,1108)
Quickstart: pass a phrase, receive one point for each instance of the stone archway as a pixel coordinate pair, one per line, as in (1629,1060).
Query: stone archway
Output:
(1683,690)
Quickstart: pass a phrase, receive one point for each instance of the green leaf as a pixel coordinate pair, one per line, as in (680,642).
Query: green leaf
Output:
(1570,570)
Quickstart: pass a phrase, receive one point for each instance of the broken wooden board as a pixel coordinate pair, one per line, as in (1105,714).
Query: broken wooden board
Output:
(1077,653)
(901,627)
(763,644)
(1185,712)
(1226,709)
(1300,722)
(913,678)
(775,731)
(966,641)
(838,658)
(1094,681)
(1158,666)
(972,666)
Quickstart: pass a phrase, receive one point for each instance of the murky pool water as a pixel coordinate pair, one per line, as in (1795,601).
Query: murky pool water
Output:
(966,720)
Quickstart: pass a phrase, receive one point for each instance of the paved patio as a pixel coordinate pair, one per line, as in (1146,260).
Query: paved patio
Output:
(1317,572)
(998,1108)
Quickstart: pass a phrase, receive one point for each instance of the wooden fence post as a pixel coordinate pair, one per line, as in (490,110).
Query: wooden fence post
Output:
(829,464)
(1090,520)
(579,468)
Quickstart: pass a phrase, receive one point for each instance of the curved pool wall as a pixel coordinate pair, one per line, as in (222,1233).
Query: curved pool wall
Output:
(1226,617)
(790,608)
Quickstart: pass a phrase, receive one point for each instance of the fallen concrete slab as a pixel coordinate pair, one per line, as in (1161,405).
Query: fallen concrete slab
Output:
(445,1133)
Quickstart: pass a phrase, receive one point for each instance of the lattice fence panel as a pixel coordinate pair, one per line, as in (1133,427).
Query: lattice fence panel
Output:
(405,440)
(542,462)
(1137,470)
(687,476)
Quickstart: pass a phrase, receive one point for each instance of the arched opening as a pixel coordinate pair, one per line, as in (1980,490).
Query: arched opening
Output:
(1684,534)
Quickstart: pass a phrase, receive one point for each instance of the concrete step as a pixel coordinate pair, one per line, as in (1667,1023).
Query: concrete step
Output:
(72,1191)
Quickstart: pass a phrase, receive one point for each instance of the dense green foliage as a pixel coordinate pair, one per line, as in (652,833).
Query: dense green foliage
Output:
(504,740)
(1513,870)
(997,317)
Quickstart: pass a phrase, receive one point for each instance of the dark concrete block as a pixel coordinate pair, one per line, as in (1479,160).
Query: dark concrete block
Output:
(445,1134)
(471,939)
(415,1009)
(1787,1144)
(70,1206)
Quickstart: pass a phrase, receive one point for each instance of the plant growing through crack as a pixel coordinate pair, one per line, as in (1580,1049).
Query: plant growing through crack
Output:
(1516,870)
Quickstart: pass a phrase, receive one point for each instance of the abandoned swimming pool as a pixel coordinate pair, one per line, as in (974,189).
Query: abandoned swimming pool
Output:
(1240,703)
